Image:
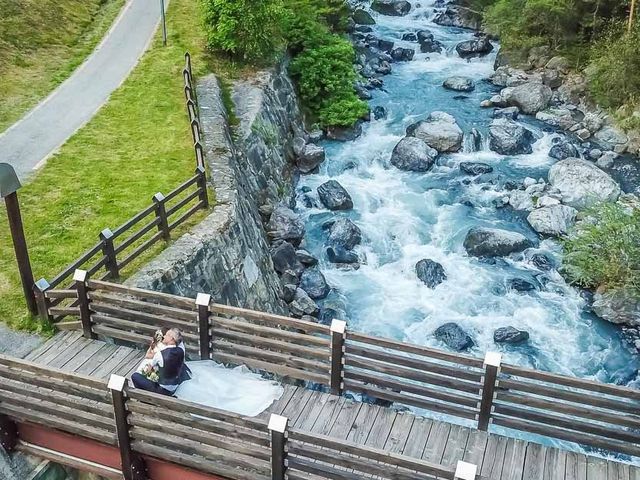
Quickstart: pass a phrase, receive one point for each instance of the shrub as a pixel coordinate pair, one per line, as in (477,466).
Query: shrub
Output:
(246,29)
(605,249)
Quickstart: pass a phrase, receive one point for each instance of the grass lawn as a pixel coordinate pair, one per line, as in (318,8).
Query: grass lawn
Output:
(41,43)
(138,144)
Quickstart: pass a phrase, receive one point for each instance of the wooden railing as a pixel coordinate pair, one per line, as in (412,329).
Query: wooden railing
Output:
(484,391)
(192,109)
(144,425)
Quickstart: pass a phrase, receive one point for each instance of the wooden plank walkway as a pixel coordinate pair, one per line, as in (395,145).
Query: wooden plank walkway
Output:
(498,457)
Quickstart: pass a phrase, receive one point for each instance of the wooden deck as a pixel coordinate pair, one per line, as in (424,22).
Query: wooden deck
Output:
(498,457)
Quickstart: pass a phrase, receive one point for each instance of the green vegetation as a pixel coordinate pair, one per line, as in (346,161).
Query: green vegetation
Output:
(322,63)
(604,251)
(138,144)
(41,43)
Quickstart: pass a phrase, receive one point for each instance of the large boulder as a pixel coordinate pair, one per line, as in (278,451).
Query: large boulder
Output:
(285,259)
(611,137)
(313,282)
(285,224)
(474,48)
(510,335)
(557,117)
(454,337)
(530,97)
(428,44)
(582,184)
(396,8)
(439,131)
(334,196)
(459,84)
(459,17)
(310,157)
(401,54)
(303,304)
(362,17)
(430,273)
(509,138)
(414,155)
(562,150)
(344,233)
(555,220)
(620,306)
(494,242)
(342,255)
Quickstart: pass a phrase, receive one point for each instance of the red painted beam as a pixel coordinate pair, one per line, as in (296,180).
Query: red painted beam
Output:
(99,453)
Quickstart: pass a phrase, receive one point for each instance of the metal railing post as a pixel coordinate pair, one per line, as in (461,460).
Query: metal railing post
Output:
(161,214)
(40,288)
(111,262)
(8,434)
(465,471)
(492,362)
(80,277)
(203,301)
(278,428)
(202,185)
(133,467)
(338,328)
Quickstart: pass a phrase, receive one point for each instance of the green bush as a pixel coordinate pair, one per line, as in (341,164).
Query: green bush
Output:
(246,29)
(605,249)
(614,70)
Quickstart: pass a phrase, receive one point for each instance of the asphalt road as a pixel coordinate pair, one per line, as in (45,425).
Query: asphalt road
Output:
(31,140)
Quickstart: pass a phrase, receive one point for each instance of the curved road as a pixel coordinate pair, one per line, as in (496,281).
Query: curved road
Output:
(28,142)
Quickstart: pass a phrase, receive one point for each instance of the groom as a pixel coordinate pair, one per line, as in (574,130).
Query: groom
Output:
(169,362)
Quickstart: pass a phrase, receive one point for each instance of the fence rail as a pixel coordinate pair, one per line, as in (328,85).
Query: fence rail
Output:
(485,391)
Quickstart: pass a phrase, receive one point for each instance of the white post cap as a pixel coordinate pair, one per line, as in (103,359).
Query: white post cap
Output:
(203,299)
(278,423)
(338,326)
(465,471)
(493,358)
(79,275)
(116,382)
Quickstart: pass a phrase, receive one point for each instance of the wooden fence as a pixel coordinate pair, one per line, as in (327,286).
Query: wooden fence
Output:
(117,249)
(206,439)
(485,391)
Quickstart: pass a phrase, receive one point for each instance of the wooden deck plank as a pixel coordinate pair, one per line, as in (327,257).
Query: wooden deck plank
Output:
(617,471)
(281,403)
(634,473)
(494,456)
(131,363)
(456,444)
(345,419)
(96,360)
(315,405)
(363,424)
(417,438)
(534,462)
(58,347)
(297,404)
(381,428)
(74,349)
(555,464)
(576,466)
(514,459)
(437,442)
(83,356)
(46,346)
(329,415)
(399,433)
(596,468)
(105,369)
(476,446)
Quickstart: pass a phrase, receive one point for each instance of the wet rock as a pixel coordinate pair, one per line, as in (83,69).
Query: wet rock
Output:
(530,97)
(439,131)
(379,112)
(385,45)
(334,197)
(313,282)
(316,136)
(510,335)
(410,37)
(305,258)
(344,233)
(396,8)
(520,200)
(291,277)
(363,29)
(475,168)
(459,84)
(493,242)
(557,117)
(285,259)
(428,43)
(344,134)
(362,17)
(594,154)
(582,184)
(619,306)
(510,113)
(459,17)
(414,155)
(362,92)
(302,305)
(509,138)
(474,48)
(383,68)
(562,150)
(310,158)
(285,224)
(341,255)
(289,292)
(542,261)
(520,285)
(607,160)
(401,54)
(430,273)
(452,335)
(555,220)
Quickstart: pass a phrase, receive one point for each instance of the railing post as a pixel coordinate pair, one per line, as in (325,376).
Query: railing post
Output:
(465,471)
(202,185)
(278,428)
(199,154)
(111,263)
(492,367)
(40,288)
(338,328)
(195,130)
(161,214)
(8,434)
(203,301)
(80,277)
(133,467)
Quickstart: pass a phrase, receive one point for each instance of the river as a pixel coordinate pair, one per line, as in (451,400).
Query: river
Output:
(407,216)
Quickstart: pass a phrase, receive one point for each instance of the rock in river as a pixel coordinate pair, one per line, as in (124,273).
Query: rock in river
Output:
(520,285)
(414,155)
(493,242)
(313,282)
(396,8)
(459,84)
(344,233)
(431,273)
(472,48)
(582,184)
(310,157)
(334,196)
(530,97)
(401,54)
(475,168)
(509,138)
(362,17)
(284,258)
(303,305)
(285,224)
(555,220)
(439,131)
(454,336)
(341,255)
(562,150)
(510,335)
(460,17)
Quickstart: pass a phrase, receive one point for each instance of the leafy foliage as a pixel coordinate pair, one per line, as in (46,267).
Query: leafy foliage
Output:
(246,29)
(604,250)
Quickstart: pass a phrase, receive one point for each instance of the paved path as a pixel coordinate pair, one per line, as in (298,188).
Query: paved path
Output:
(28,142)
